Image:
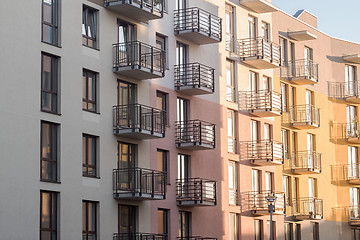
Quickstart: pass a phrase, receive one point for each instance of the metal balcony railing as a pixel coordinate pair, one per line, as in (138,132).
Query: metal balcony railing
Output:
(196,238)
(354,214)
(259,48)
(139,183)
(197,20)
(344,90)
(233,198)
(260,151)
(305,114)
(148,5)
(195,132)
(195,191)
(310,208)
(353,130)
(139,118)
(305,160)
(300,69)
(263,100)
(138,55)
(194,75)
(258,203)
(139,236)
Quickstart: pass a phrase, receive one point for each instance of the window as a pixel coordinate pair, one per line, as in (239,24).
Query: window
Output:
(316,231)
(232,183)
(265,30)
(284,96)
(293,97)
(183,109)
(90,91)
(50,21)
(267,83)
(161,43)
(312,188)
(163,221)
(184,224)
(126,93)
(253,81)
(231,131)
(48,215)
(295,188)
(181,53)
(297,231)
(258,229)
(355,234)
(90,27)
(267,132)
(353,162)
(50,83)
(162,163)
(229,27)
(255,180)
(289,234)
(252,27)
(127,219)
(234,235)
(230,80)
(49,151)
(162,103)
(126,155)
(269,231)
(286,189)
(269,186)
(284,51)
(285,142)
(184,166)
(89,220)
(254,134)
(90,161)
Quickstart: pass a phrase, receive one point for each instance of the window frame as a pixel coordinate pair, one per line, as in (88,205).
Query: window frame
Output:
(164,46)
(165,222)
(86,100)
(87,11)
(55,24)
(54,82)
(229,10)
(165,163)
(230,68)
(232,138)
(85,229)
(86,160)
(54,206)
(184,218)
(53,130)
(165,104)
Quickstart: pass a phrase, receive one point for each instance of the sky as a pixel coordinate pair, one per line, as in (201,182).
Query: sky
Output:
(340,19)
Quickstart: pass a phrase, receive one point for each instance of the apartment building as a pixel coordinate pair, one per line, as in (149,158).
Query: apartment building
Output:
(159,119)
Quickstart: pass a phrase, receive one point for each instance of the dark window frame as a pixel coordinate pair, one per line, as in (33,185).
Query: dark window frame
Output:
(165,104)
(165,220)
(164,46)
(54,205)
(184,217)
(86,233)
(165,163)
(90,14)
(53,130)
(54,24)
(132,218)
(55,84)
(87,159)
(86,99)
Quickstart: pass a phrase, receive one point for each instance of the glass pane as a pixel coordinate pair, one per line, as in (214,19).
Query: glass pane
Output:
(47,11)
(46,235)
(45,140)
(46,68)
(46,103)
(47,31)
(45,210)
(92,217)
(48,170)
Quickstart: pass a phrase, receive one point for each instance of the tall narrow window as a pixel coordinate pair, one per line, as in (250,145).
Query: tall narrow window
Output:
(49,151)
(161,43)
(90,161)
(255,180)
(183,110)
(184,224)
(258,229)
(50,21)
(230,80)
(184,166)
(252,27)
(89,27)
(316,231)
(285,142)
(297,231)
(89,220)
(48,215)
(229,27)
(50,83)
(232,183)
(284,51)
(269,185)
(162,163)
(89,91)
(126,93)
(234,226)
(286,189)
(127,220)
(231,131)
(181,53)
(289,234)
(351,87)
(265,30)
(269,231)
(253,81)
(162,104)
(163,222)
(284,96)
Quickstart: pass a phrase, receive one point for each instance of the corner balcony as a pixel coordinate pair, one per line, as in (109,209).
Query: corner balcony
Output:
(354,216)
(139,236)
(139,184)
(195,192)
(305,162)
(308,209)
(194,79)
(197,25)
(262,153)
(138,60)
(196,238)
(194,135)
(258,205)
(348,91)
(305,117)
(139,10)
(301,72)
(138,121)
(259,53)
(353,132)
(262,103)
(259,6)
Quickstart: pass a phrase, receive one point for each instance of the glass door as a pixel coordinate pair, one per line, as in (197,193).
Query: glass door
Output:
(184,167)
(309,106)
(126,50)
(312,195)
(352,125)
(127,222)
(354,202)
(308,57)
(353,171)
(351,88)
(253,47)
(126,164)
(310,150)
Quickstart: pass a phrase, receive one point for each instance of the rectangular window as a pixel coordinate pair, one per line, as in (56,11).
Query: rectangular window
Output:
(252,27)
(284,51)
(162,163)
(269,231)
(255,180)
(50,83)
(289,234)
(316,231)
(127,219)
(297,231)
(162,103)
(285,142)
(50,20)
(49,151)
(234,226)
(229,27)
(161,43)
(269,186)
(48,215)
(258,229)
(181,53)
(265,30)
(184,224)
(126,93)
(184,166)
(230,80)
(89,220)
(232,183)
(286,189)
(90,161)
(163,221)
(90,91)
(183,109)
(90,27)
(231,131)
(284,96)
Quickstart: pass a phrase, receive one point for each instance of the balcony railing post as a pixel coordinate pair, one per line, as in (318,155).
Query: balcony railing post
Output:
(209,25)
(201,191)
(152,121)
(200,132)
(199,78)
(140,181)
(152,184)
(152,59)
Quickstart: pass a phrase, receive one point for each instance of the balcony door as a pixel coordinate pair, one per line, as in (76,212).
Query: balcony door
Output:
(253,49)
(354,202)
(182,61)
(351,118)
(256,188)
(267,85)
(180,4)
(254,137)
(308,59)
(351,88)
(126,52)
(353,170)
(252,27)
(269,185)
(127,221)
(312,194)
(183,112)
(310,150)
(184,224)
(308,108)
(126,96)
(126,164)
(184,166)
(232,183)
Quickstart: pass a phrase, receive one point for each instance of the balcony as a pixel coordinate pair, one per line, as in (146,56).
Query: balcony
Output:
(353,132)
(139,236)
(305,117)
(197,25)
(305,162)
(195,192)
(259,6)
(262,103)
(302,35)
(354,216)
(138,60)
(258,205)
(308,209)
(138,121)
(139,10)
(355,58)
(194,79)
(262,153)
(259,53)
(301,72)
(196,238)
(348,91)
(195,135)
(139,184)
